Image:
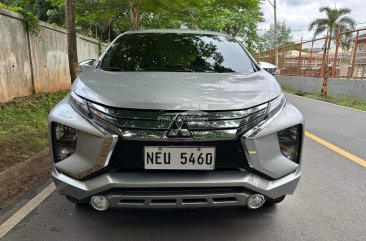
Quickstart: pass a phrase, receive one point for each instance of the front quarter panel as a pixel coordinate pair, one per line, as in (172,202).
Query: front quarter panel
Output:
(94,145)
(263,150)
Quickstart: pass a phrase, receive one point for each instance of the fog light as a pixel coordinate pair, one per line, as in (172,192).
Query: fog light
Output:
(99,203)
(255,201)
(290,142)
(64,140)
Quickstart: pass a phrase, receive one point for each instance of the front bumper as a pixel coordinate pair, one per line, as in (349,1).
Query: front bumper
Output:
(150,187)
(177,189)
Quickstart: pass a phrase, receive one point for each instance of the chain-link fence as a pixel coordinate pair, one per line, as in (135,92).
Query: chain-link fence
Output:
(346,56)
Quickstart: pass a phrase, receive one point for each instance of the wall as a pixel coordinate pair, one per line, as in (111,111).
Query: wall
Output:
(49,60)
(344,88)
(15,68)
(38,63)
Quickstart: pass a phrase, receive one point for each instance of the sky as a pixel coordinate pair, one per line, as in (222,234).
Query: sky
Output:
(299,13)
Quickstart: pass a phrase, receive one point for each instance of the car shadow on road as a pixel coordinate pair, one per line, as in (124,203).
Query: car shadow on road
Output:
(178,224)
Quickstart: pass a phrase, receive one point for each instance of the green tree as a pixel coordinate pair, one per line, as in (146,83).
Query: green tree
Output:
(236,17)
(105,19)
(335,18)
(31,21)
(346,41)
(44,10)
(284,36)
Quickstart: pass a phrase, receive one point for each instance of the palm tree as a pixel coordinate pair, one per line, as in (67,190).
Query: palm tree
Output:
(335,19)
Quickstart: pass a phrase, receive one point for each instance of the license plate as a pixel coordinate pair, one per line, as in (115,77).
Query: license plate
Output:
(179,158)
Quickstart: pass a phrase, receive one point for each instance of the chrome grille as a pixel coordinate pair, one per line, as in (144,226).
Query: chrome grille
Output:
(154,124)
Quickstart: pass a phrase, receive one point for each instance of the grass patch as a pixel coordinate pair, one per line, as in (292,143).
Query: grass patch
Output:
(348,102)
(23,126)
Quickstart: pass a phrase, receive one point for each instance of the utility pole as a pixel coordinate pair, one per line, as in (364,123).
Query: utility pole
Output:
(274,5)
(275,30)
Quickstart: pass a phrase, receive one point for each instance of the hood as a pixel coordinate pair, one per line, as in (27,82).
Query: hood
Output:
(176,91)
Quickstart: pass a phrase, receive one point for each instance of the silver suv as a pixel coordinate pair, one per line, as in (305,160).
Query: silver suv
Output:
(175,118)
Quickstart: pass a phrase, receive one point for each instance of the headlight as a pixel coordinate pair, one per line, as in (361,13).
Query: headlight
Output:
(64,139)
(80,104)
(290,142)
(275,105)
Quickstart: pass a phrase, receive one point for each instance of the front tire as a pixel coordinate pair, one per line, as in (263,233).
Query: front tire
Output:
(271,202)
(76,201)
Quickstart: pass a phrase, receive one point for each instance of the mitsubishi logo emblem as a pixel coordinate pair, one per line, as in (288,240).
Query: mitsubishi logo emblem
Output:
(179,128)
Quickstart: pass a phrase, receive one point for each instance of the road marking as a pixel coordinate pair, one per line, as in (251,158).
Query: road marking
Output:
(337,149)
(24,211)
(345,107)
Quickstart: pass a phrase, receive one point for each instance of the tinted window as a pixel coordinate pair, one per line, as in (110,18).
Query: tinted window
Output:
(176,52)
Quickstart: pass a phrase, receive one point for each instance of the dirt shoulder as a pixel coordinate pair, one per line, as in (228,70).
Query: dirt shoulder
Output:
(22,176)
(24,154)
(24,127)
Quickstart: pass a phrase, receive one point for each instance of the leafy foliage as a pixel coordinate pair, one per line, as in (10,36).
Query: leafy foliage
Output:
(31,21)
(50,11)
(169,52)
(335,18)
(346,41)
(236,17)
(284,36)
(106,19)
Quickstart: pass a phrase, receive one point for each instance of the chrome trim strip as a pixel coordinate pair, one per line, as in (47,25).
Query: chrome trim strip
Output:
(225,124)
(247,139)
(214,134)
(109,142)
(126,114)
(205,129)
(164,125)
(104,156)
(146,125)
(135,124)
(155,114)
(261,125)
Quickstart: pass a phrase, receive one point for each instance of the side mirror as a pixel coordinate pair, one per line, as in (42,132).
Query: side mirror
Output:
(270,68)
(87,64)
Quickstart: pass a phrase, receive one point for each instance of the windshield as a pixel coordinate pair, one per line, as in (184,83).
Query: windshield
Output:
(176,52)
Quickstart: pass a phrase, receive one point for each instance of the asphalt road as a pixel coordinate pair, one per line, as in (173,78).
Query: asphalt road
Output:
(329,203)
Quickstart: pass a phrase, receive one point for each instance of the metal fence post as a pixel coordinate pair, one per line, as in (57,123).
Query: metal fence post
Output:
(299,59)
(311,56)
(354,55)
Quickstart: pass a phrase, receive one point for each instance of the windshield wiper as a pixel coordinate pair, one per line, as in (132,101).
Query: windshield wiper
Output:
(178,68)
(184,70)
(112,69)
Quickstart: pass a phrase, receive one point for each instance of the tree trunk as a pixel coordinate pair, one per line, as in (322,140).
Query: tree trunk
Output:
(134,12)
(71,39)
(328,47)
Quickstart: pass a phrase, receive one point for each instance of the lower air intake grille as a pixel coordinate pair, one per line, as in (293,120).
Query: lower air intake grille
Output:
(129,154)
